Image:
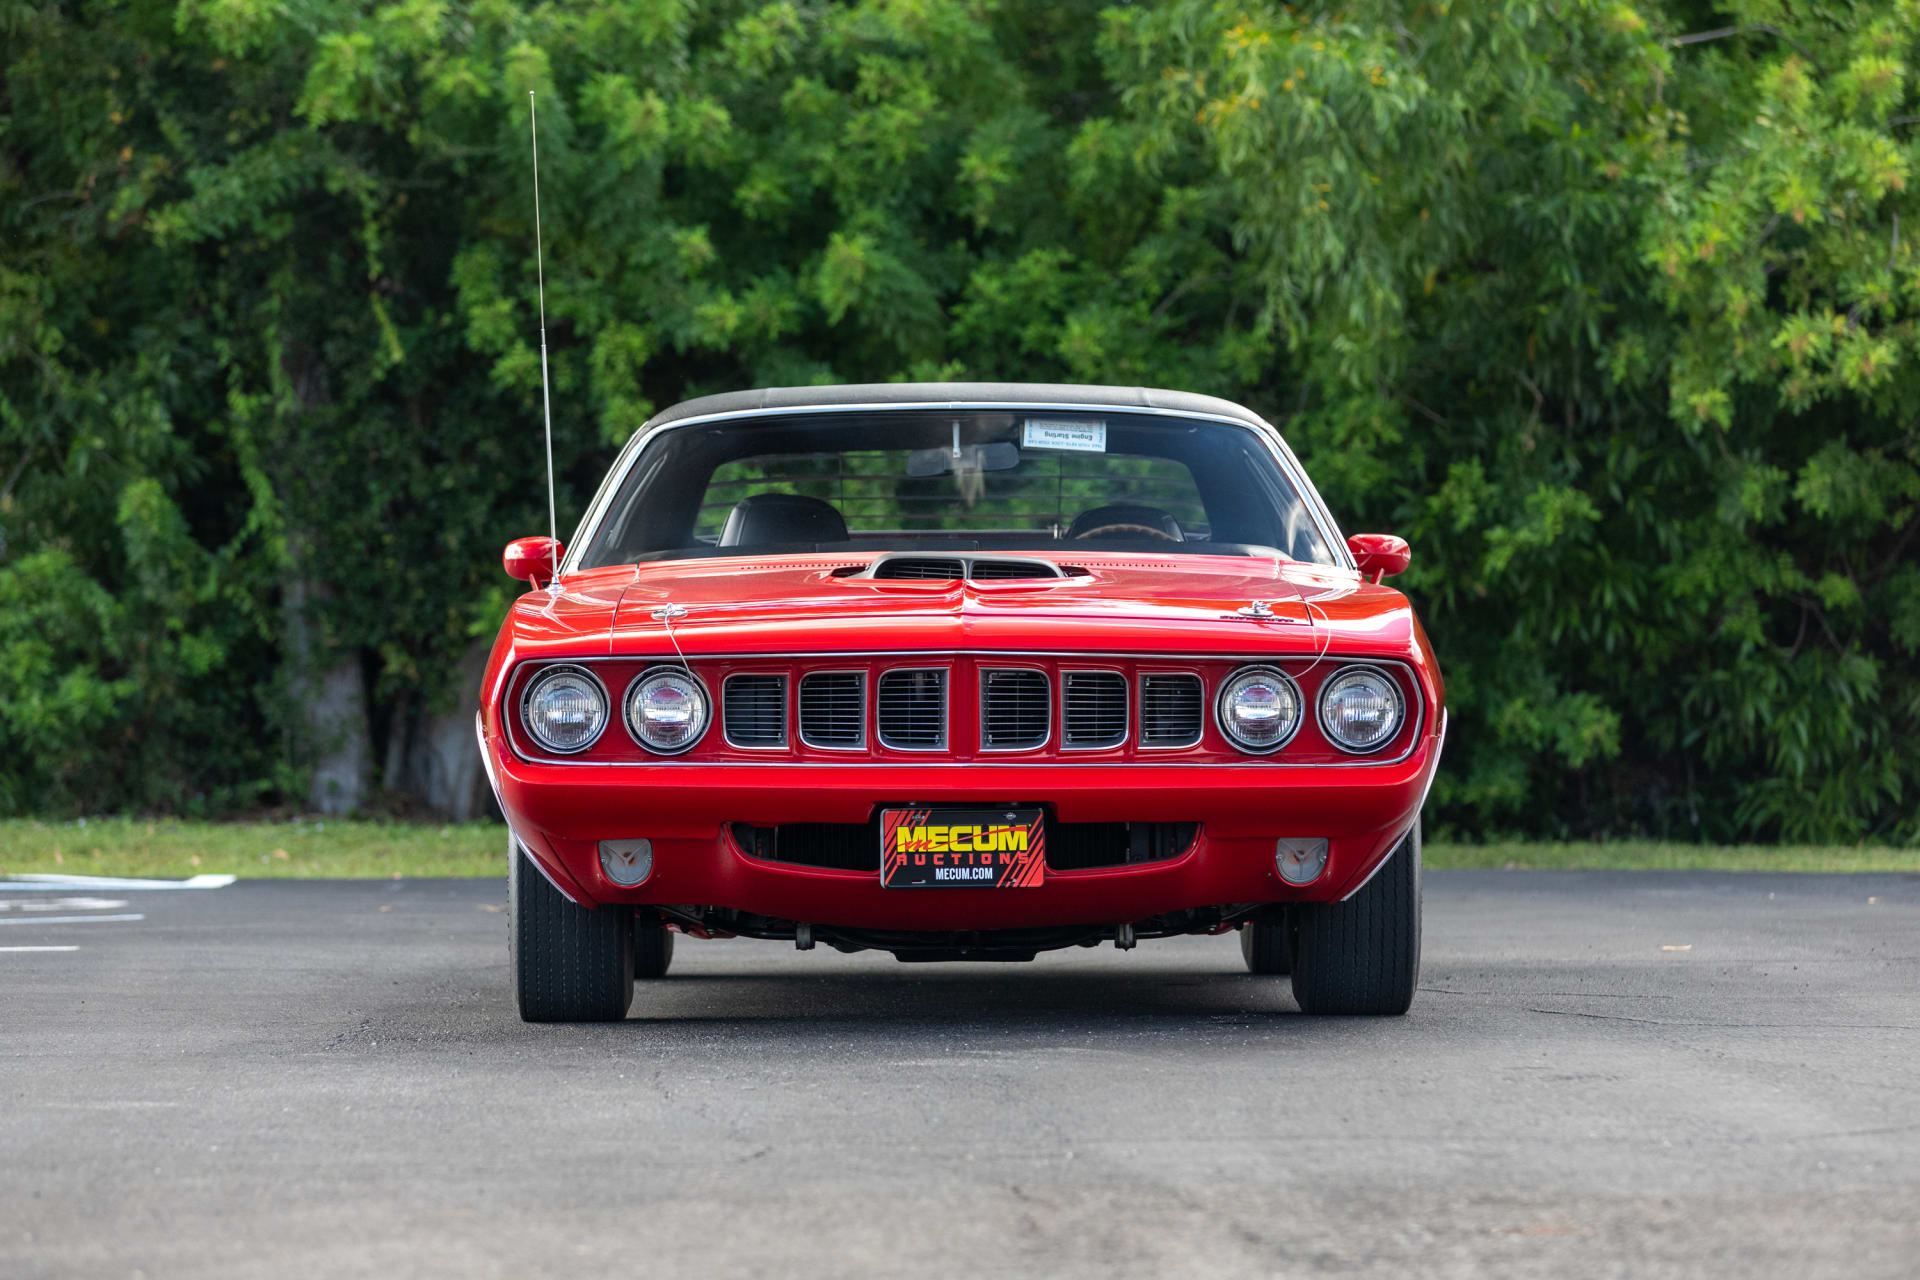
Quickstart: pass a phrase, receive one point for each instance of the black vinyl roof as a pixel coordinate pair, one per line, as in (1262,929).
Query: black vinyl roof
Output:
(1119,398)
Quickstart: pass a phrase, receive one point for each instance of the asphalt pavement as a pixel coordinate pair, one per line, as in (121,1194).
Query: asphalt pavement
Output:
(1604,1075)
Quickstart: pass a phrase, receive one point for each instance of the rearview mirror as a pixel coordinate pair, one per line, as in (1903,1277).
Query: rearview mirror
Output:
(1001,455)
(531,559)
(1379,555)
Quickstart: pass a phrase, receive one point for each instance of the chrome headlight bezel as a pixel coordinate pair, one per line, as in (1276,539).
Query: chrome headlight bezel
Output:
(660,675)
(547,676)
(1224,693)
(1349,674)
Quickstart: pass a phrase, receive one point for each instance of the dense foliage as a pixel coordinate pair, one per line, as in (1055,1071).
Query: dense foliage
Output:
(1610,308)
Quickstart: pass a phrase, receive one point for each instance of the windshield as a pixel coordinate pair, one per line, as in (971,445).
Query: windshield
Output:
(957,480)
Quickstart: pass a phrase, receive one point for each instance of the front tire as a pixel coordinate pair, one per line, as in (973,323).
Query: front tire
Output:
(652,949)
(1362,956)
(1267,945)
(570,963)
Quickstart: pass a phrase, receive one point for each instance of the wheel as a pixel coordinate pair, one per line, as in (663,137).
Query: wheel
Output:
(1267,945)
(652,949)
(1363,955)
(570,964)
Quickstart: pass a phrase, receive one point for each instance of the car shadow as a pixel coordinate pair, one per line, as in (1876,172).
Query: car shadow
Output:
(971,1010)
(978,997)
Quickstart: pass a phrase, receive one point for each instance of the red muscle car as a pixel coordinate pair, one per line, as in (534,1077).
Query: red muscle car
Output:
(961,671)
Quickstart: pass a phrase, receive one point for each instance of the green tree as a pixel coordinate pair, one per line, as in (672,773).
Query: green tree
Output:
(1604,308)
(1607,308)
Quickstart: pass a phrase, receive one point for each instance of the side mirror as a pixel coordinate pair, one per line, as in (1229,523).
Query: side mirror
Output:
(1379,555)
(531,559)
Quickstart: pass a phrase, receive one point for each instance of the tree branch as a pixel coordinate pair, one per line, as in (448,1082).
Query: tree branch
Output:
(1424,411)
(1800,637)
(1539,397)
(1760,28)
(1191,282)
(1820,616)
(1899,549)
(18,470)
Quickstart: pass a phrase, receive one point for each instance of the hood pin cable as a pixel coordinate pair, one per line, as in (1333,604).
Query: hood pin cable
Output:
(666,617)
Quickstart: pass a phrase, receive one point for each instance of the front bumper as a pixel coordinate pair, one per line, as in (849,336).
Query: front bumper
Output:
(561,812)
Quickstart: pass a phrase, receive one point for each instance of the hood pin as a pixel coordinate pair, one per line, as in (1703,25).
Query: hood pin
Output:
(1259,612)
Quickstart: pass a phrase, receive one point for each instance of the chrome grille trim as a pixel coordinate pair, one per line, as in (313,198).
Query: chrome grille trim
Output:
(1016,709)
(910,708)
(1095,696)
(826,706)
(760,692)
(1168,702)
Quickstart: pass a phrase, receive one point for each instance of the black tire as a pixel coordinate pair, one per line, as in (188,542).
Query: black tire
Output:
(570,964)
(1267,945)
(652,949)
(1363,955)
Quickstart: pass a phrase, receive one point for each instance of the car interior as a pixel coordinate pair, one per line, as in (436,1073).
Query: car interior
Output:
(786,519)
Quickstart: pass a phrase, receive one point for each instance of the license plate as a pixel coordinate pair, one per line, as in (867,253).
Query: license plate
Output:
(962,848)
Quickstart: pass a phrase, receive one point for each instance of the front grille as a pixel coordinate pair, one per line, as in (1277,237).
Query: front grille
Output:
(1078,846)
(1015,709)
(920,568)
(754,710)
(833,710)
(913,710)
(838,846)
(1094,710)
(1170,710)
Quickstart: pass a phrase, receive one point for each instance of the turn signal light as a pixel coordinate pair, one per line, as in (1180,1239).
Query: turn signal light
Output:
(1299,860)
(626,862)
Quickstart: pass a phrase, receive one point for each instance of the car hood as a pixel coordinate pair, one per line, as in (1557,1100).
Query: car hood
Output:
(1179,604)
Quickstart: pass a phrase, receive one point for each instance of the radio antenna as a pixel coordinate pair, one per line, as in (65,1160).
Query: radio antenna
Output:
(546,402)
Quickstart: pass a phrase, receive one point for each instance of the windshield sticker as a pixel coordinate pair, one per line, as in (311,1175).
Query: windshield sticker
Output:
(1081,437)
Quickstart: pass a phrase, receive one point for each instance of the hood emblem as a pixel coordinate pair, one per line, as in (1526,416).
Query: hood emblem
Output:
(671,612)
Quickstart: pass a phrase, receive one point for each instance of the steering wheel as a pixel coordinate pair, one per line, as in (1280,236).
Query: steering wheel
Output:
(1147,529)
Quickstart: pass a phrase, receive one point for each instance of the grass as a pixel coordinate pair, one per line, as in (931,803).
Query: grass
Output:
(311,849)
(166,848)
(1650,855)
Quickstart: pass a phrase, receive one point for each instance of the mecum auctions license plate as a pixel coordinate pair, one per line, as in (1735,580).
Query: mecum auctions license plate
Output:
(962,848)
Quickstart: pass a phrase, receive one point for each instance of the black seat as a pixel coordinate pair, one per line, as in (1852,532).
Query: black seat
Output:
(768,519)
(1125,513)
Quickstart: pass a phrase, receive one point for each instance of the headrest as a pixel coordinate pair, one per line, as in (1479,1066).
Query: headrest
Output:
(768,519)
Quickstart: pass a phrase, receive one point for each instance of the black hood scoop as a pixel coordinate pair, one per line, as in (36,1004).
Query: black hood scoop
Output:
(909,566)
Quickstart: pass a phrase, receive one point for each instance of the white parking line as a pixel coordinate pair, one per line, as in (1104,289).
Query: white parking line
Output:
(49,881)
(39,948)
(69,919)
(61,904)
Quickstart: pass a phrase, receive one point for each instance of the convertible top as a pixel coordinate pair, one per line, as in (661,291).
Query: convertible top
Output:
(955,393)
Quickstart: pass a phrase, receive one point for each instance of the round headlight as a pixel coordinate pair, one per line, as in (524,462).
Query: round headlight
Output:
(667,711)
(564,708)
(1259,709)
(1361,709)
